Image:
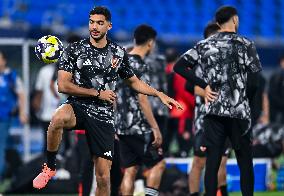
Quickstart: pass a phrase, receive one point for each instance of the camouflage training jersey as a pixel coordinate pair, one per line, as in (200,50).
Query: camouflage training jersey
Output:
(97,68)
(225,59)
(130,119)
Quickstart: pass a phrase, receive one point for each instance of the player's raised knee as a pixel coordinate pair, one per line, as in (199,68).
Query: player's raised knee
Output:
(58,120)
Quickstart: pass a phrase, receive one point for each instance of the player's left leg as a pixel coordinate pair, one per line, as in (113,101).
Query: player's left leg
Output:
(153,159)
(222,178)
(244,159)
(154,178)
(102,171)
(214,140)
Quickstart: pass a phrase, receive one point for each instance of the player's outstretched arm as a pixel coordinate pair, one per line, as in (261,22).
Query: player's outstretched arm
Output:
(142,87)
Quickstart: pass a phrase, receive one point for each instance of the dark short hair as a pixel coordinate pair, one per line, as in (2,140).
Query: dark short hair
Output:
(144,33)
(101,10)
(224,14)
(210,29)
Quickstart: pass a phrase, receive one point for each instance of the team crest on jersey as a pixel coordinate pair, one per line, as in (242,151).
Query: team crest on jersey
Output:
(114,62)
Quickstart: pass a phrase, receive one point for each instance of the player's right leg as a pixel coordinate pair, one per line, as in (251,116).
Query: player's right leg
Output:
(64,117)
(244,159)
(214,140)
(154,178)
(129,147)
(198,164)
(127,184)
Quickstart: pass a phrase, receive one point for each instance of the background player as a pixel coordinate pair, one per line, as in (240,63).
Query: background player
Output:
(225,59)
(140,138)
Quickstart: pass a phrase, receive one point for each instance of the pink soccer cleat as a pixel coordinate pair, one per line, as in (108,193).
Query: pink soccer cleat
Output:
(42,179)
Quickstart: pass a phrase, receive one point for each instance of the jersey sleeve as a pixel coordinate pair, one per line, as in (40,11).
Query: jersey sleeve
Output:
(252,61)
(191,57)
(67,60)
(125,70)
(184,67)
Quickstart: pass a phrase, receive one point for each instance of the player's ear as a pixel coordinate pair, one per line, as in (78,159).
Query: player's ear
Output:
(109,26)
(151,43)
(235,19)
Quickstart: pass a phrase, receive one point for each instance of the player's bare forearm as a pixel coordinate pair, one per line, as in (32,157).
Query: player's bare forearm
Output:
(141,87)
(147,111)
(65,85)
(199,91)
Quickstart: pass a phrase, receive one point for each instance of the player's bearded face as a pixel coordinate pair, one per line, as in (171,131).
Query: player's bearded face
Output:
(98,26)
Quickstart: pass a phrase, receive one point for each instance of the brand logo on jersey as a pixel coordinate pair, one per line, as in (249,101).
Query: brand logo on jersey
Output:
(108,154)
(87,62)
(114,62)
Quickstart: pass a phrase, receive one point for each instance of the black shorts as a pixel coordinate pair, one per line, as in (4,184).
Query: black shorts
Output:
(100,135)
(217,129)
(138,150)
(197,141)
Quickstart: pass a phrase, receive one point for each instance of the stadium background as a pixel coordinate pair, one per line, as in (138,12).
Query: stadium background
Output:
(179,23)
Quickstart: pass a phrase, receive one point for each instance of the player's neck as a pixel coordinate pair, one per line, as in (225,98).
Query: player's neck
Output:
(99,43)
(227,28)
(138,50)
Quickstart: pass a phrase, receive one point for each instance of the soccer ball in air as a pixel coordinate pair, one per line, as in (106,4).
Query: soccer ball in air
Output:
(48,49)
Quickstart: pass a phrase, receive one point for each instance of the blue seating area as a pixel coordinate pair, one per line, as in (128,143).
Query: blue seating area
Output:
(258,18)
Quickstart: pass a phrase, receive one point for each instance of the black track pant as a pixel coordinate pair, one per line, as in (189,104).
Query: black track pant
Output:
(217,129)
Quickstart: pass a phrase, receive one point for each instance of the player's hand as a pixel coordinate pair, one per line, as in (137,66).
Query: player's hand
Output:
(169,101)
(107,95)
(209,95)
(158,139)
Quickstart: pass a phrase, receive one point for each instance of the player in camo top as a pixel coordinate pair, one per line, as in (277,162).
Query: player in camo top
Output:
(225,58)
(88,71)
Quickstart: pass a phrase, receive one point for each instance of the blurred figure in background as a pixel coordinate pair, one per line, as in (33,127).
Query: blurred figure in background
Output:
(276,94)
(139,135)
(44,101)
(158,80)
(12,103)
(180,121)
